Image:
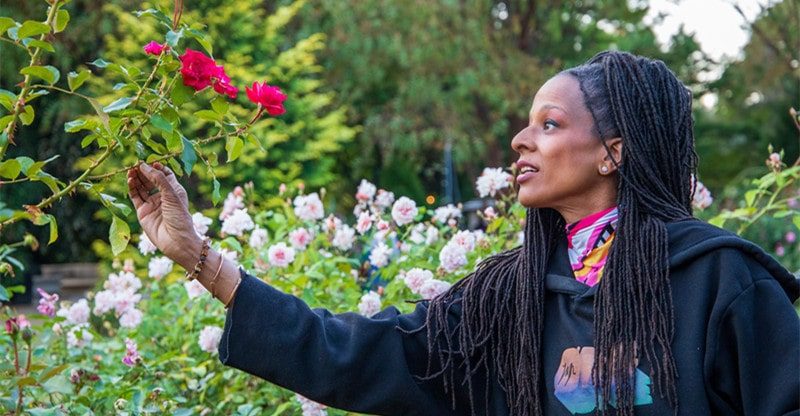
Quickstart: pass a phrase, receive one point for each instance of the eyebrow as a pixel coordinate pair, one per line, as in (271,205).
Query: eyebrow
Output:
(548,107)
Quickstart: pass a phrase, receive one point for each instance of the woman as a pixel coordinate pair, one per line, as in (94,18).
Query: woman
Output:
(618,299)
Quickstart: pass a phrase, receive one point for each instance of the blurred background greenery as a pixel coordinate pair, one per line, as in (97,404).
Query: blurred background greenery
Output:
(379,88)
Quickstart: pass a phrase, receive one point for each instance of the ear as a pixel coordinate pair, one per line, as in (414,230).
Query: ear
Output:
(614,145)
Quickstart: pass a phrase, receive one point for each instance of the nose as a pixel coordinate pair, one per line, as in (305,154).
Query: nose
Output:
(522,141)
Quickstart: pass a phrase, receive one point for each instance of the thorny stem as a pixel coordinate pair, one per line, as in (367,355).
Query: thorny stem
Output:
(217,136)
(23,95)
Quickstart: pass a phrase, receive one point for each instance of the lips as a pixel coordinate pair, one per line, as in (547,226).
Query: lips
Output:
(526,169)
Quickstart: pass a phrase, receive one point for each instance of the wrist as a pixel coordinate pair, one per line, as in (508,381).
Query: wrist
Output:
(189,253)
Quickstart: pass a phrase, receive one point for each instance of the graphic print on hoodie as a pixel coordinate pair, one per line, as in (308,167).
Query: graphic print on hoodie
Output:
(574,388)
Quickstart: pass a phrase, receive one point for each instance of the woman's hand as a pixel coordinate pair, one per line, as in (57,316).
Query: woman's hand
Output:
(162,207)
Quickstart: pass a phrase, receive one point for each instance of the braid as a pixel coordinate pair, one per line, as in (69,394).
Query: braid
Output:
(502,301)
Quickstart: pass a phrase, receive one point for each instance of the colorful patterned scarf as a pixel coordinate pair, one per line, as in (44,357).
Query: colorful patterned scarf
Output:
(589,241)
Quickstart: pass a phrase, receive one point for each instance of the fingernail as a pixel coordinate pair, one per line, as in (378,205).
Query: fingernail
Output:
(145,167)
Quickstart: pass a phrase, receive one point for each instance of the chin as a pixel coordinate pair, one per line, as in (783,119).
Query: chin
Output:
(530,201)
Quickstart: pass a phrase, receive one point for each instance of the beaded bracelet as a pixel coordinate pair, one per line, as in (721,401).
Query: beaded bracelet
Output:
(203,255)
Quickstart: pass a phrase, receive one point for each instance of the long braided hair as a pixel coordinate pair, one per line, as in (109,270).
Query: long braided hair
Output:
(502,301)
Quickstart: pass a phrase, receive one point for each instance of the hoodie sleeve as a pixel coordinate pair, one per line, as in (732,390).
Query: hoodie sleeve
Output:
(347,361)
(757,359)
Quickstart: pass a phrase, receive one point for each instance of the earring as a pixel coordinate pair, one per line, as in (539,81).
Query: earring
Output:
(604,169)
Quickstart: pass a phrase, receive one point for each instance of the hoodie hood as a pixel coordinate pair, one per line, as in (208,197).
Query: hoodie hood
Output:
(687,240)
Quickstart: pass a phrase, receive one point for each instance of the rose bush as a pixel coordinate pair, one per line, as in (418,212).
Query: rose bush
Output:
(94,357)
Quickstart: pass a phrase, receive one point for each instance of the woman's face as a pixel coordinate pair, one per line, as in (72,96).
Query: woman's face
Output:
(568,156)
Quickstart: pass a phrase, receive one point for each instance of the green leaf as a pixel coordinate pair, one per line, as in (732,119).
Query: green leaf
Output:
(282,408)
(119,234)
(53,229)
(6,23)
(118,105)
(62,18)
(48,74)
(201,38)
(27,115)
(26,381)
(10,169)
(36,94)
(99,62)
(7,99)
(99,110)
(234,146)
(25,164)
(215,197)
(181,94)
(76,125)
(32,28)
(3,294)
(174,37)
(796,221)
(174,142)
(208,115)
(220,105)
(5,121)
(36,43)
(49,373)
(161,123)
(76,79)
(188,156)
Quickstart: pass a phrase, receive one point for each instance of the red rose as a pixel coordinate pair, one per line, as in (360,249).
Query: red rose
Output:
(271,98)
(222,83)
(154,48)
(197,69)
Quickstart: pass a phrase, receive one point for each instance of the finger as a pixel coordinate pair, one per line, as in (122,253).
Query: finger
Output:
(143,182)
(157,177)
(173,180)
(133,191)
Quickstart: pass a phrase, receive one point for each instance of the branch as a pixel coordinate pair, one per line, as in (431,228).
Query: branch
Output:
(23,95)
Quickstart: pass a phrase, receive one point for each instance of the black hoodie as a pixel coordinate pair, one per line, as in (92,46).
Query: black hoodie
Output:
(736,344)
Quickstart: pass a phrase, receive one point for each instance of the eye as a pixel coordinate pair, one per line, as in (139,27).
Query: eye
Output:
(549,124)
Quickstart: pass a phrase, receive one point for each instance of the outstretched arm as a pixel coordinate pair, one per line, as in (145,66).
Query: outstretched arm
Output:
(347,361)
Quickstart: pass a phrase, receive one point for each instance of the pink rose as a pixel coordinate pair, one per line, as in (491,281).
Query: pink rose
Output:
(155,48)
(197,69)
(271,98)
(47,303)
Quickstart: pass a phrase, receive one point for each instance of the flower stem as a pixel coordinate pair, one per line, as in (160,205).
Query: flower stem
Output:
(23,95)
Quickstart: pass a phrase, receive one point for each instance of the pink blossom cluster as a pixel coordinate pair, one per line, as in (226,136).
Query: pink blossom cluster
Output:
(404,210)
(234,201)
(311,408)
(209,338)
(132,356)
(120,296)
(491,181)
(370,304)
(344,237)
(371,199)
(421,282)
(47,302)
(446,213)
(16,324)
(300,238)
(280,255)
(701,196)
(159,267)
(258,238)
(308,207)
(146,247)
(379,255)
(237,223)
(201,223)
